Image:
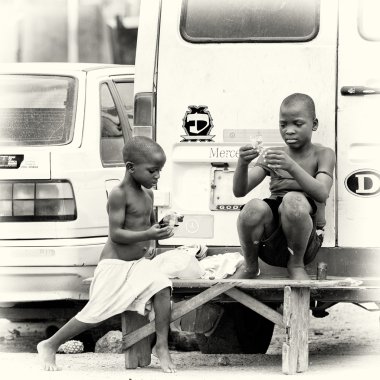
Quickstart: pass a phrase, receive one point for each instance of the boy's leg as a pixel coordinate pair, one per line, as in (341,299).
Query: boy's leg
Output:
(162,310)
(48,348)
(255,221)
(297,226)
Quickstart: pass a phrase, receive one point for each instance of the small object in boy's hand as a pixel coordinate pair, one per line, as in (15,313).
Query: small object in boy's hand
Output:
(257,142)
(171,220)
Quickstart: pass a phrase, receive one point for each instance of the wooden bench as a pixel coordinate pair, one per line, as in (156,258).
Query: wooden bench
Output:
(295,296)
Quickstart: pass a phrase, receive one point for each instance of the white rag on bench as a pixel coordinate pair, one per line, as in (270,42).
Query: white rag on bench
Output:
(120,285)
(181,263)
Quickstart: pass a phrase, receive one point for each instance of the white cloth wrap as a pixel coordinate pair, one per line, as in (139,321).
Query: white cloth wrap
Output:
(120,285)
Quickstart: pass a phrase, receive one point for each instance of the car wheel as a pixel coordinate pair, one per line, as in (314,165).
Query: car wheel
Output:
(240,330)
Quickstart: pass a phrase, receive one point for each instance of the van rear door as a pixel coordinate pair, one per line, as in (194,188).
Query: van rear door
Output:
(358,141)
(223,69)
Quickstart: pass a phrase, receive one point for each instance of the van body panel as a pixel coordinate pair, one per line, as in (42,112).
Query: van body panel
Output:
(51,252)
(358,143)
(148,33)
(44,283)
(242,85)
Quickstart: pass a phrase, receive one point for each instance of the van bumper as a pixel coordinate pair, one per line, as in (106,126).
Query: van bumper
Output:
(47,270)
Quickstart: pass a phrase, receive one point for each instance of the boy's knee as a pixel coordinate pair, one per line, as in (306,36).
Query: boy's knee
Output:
(294,206)
(253,213)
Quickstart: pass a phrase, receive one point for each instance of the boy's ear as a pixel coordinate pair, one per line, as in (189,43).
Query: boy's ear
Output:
(315,124)
(130,166)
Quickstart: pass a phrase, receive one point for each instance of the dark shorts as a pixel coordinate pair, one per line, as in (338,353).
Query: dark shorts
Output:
(274,250)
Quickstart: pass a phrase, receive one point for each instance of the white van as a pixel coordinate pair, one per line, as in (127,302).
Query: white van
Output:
(62,128)
(210,76)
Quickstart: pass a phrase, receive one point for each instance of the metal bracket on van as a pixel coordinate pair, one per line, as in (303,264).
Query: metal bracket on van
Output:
(372,306)
(223,165)
(221,197)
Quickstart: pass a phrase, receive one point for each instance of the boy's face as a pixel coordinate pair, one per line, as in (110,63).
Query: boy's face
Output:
(147,171)
(297,124)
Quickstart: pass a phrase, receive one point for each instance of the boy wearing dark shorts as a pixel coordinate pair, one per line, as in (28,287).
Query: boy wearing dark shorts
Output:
(285,229)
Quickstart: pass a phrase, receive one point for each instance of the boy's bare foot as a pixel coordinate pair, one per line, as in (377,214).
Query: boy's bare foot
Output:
(163,355)
(298,273)
(244,273)
(47,356)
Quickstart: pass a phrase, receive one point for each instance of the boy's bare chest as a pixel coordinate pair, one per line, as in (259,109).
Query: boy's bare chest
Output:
(139,205)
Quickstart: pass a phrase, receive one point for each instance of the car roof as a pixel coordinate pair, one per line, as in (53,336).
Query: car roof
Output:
(62,68)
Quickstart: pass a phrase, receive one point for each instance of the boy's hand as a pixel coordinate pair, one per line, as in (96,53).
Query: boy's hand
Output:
(247,153)
(159,233)
(278,159)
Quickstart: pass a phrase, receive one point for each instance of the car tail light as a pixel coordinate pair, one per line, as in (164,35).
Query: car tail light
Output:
(36,201)
(143,114)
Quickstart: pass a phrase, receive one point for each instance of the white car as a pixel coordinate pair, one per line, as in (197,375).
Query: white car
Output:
(62,129)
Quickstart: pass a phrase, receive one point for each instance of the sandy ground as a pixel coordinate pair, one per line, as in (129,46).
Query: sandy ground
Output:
(344,345)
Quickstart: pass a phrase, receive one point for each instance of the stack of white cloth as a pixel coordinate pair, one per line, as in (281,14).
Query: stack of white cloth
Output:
(192,262)
(220,266)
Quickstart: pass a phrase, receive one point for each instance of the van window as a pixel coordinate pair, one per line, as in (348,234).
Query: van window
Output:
(125,90)
(249,20)
(368,20)
(37,109)
(112,139)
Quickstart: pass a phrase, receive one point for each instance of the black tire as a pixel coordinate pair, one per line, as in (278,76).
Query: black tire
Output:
(240,330)
(254,332)
(223,340)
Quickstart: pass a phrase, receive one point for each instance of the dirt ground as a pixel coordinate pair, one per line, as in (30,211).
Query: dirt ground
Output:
(343,345)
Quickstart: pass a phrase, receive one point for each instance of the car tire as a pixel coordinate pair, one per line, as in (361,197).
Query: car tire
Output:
(240,330)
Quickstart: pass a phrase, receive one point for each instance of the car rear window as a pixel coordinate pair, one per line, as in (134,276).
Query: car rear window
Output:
(36,109)
(249,20)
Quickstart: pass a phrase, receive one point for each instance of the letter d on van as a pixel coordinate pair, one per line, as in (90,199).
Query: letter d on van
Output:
(363,183)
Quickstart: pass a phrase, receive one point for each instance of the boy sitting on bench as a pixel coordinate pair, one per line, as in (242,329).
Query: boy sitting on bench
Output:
(287,228)
(124,279)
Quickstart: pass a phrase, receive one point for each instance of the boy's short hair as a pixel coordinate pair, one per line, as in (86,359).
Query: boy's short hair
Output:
(140,148)
(303,98)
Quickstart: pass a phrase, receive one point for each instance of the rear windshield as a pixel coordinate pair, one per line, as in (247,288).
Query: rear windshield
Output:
(249,20)
(36,109)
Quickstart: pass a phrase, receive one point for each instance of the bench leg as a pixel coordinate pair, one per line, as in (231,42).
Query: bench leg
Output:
(138,355)
(295,350)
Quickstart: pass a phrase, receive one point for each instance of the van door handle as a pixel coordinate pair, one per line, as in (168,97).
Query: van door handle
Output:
(358,90)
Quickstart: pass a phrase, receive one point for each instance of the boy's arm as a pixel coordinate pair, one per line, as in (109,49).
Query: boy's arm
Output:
(317,188)
(152,214)
(246,179)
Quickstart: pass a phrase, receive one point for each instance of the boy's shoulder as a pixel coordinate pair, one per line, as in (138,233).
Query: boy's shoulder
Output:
(119,193)
(323,150)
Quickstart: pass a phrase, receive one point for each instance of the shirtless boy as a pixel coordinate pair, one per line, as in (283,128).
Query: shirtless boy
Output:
(287,228)
(124,278)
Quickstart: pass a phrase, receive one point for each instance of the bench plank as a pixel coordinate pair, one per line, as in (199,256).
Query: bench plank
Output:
(267,283)
(200,299)
(256,306)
